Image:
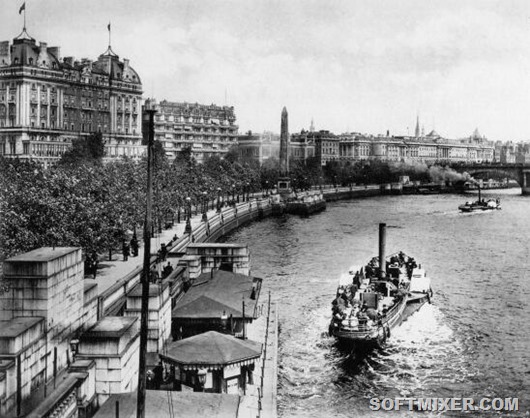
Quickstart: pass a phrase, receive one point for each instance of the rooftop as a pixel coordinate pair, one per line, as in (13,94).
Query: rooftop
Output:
(154,289)
(16,326)
(213,294)
(110,327)
(43,254)
(211,349)
(209,245)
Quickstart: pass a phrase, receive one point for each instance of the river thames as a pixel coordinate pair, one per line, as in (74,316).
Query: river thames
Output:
(473,341)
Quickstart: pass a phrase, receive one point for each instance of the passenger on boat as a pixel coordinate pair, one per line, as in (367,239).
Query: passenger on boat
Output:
(371,313)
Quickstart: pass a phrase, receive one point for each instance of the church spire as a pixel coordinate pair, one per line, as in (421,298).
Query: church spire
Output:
(417,130)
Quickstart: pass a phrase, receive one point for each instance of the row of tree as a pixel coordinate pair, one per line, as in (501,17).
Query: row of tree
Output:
(84,202)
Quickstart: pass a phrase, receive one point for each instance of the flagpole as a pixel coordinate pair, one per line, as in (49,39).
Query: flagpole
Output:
(109,34)
(24,15)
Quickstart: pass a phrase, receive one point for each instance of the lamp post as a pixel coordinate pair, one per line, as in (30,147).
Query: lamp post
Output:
(218,200)
(204,206)
(248,191)
(320,183)
(234,193)
(188,218)
(224,320)
(267,188)
(237,194)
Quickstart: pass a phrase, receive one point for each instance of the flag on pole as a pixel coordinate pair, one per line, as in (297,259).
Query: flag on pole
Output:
(108,26)
(22,8)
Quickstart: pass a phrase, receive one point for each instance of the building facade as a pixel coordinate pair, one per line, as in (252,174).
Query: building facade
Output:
(323,145)
(46,102)
(207,130)
(428,148)
(258,148)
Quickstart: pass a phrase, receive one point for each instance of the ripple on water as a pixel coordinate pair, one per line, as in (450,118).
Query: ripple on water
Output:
(472,341)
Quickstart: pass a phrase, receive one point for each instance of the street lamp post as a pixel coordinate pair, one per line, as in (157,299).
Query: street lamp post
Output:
(267,188)
(248,191)
(204,206)
(234,193)
(188,218)
(218,199)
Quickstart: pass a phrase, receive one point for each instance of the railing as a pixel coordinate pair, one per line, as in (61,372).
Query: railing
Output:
(217,225)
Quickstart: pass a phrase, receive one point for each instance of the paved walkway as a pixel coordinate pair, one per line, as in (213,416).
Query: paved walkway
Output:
(109,272)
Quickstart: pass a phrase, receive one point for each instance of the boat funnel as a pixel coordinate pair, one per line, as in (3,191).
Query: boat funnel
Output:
(382,245)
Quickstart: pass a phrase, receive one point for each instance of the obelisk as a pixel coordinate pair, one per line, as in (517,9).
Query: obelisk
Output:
(284,145)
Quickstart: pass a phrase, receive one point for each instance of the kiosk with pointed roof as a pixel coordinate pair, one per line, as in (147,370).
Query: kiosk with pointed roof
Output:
(222,360)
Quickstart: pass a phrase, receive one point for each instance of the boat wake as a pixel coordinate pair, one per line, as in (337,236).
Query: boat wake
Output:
(422,352)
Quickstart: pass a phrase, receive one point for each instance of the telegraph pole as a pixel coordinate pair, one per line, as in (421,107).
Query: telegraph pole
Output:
(140,405)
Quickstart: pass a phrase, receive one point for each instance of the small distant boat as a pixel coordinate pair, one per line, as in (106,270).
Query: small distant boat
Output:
(373,300)
(480,205)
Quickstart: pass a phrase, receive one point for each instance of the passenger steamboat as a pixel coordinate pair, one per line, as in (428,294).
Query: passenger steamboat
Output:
(480,205)
(373,300)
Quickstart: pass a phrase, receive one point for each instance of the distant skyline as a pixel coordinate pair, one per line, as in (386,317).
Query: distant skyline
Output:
(351,65)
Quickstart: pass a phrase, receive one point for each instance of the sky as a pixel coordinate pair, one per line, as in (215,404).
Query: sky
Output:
(350,65)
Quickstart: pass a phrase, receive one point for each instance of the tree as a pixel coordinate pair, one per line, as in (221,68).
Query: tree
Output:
(85,150)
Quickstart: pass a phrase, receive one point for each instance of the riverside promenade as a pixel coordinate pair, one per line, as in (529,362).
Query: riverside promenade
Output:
(116,277)
(110,272)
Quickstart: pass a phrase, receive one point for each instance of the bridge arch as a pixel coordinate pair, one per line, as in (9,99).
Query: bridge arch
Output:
(518,172)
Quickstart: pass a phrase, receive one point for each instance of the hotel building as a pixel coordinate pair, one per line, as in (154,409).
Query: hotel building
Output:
(207,130)
(46,102)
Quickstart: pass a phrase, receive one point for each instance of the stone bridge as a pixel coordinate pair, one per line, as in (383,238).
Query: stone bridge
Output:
(518,172)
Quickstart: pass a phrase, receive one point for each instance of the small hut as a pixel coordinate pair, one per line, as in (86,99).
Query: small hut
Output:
(218,301)
(212,362)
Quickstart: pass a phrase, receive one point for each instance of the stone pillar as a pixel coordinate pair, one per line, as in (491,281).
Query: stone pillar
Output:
(159,316)
(284,145)
(113,344)
(40,311)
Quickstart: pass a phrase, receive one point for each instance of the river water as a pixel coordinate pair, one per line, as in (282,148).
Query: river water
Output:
(473,341)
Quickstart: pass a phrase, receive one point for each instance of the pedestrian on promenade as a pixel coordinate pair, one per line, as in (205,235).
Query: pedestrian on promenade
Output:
(154,275)
(168,269)
(125,250)
(94,263)
(163,252)
(134,246)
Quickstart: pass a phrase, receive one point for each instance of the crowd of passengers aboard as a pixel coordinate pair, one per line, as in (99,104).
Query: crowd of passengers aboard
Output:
(347,307)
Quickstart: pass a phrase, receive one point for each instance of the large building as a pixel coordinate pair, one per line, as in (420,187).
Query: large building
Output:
(46,101)
(258,148)
(428,148)
(207,130)
(324,143)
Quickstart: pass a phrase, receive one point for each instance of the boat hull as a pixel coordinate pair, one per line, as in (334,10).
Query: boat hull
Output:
(377,338)
(467,208)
